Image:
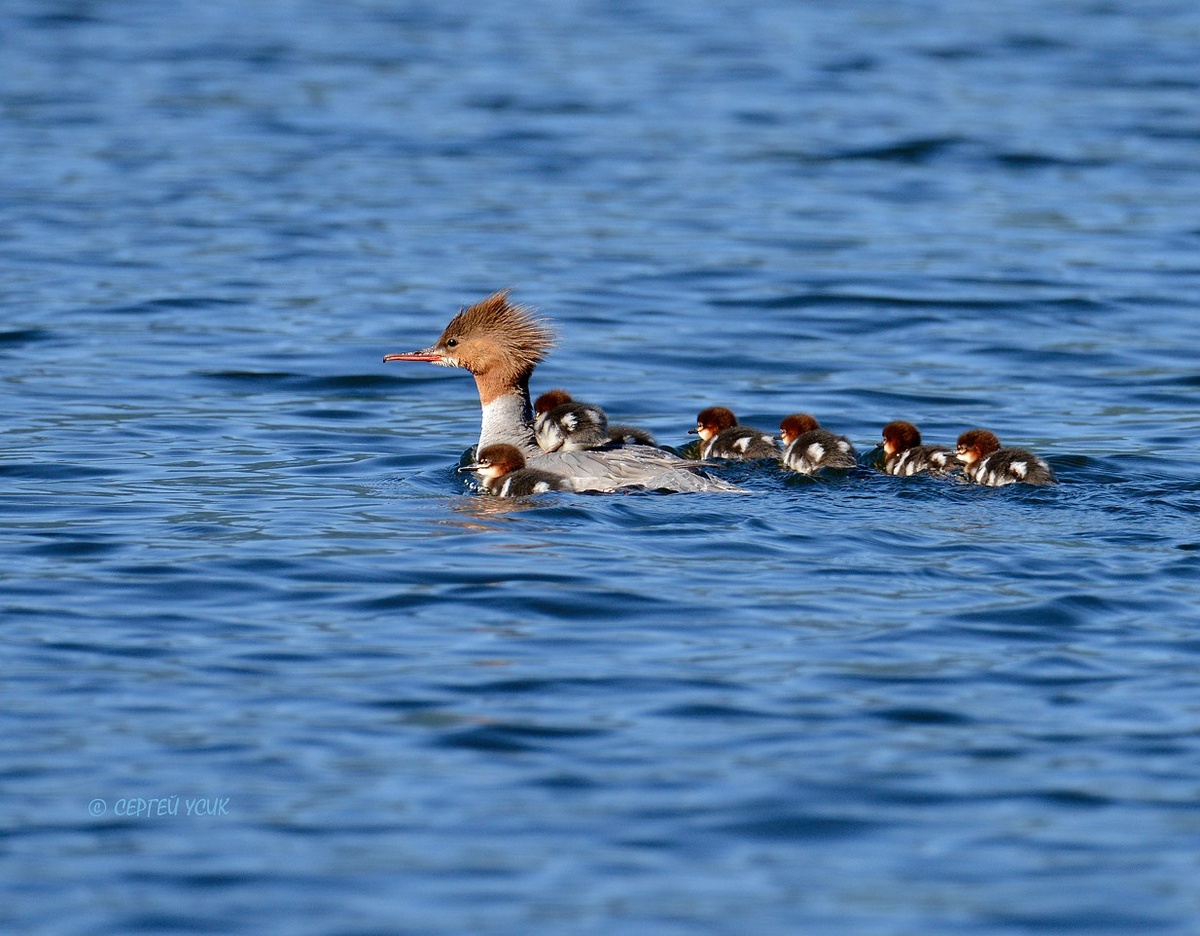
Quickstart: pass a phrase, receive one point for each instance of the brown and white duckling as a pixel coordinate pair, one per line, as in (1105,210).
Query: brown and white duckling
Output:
(723,437)
(904,455)
(501,469)
(986,462)
(625,434)
(809,448)
(561,423)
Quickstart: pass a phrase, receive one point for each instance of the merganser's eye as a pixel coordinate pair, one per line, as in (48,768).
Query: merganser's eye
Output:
(452,343)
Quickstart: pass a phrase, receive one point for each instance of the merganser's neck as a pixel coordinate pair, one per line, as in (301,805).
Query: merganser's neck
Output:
(507,415)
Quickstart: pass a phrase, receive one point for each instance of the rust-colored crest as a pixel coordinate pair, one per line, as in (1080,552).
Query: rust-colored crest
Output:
(513,332)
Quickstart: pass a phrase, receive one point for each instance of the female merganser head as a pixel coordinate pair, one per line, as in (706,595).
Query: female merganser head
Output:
(724,437)
(501,469)
(903,453)
(500,343)
(808,448)
(986,462)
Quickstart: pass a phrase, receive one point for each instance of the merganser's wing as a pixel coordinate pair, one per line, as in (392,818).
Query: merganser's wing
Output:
(639,466)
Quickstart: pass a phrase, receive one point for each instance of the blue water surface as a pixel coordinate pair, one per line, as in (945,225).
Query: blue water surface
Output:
(271,666)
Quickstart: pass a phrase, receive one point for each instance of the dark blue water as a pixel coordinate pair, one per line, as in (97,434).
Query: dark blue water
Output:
(270,667)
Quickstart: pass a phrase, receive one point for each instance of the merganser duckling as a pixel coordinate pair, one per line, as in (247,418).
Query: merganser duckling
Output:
(500,343)
(501,469)
(625,434)
(564,424)
(550,399)
(903,453)
(591,428)
(809,448)
(985,462)
(724,437)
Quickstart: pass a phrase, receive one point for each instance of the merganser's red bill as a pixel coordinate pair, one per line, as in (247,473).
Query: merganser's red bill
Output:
(413,356)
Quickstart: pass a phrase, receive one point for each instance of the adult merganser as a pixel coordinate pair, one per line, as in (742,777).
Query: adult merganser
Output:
(809,448)
(501,343)
(903,453)
(557,425)
(501,469)
(985,462)
(724,437)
